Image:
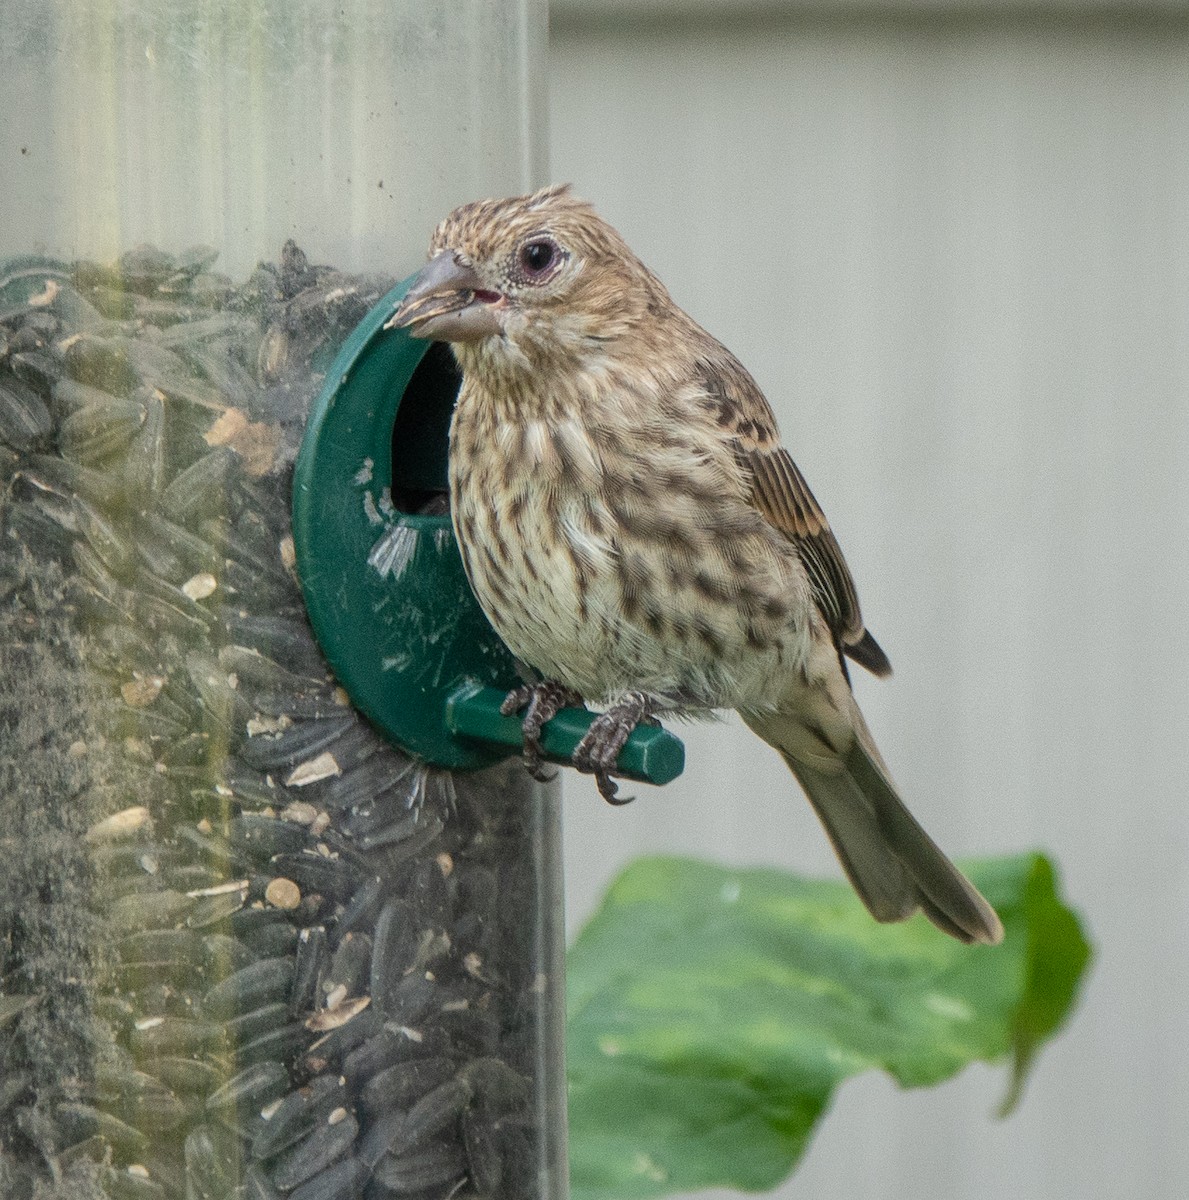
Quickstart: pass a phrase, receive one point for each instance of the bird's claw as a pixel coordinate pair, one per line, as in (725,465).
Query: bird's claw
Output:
(597,752)
(540,702)
(599,748)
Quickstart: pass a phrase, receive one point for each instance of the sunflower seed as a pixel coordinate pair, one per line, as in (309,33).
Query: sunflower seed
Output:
(500,1089)
(129,914)
(485,1164)
(412,1171)
(435,1111)
(25,422)
(264,982)
(113,549)
(67,396)
(297,1114)
(335,878)
(201,489)
(282,1044)
(257,1185)
(342,1181)
(138,1098)
(218,692)
(249,1026)
(174,1035)
(407,1001)
(318,1150)
(93,434)
(398,1086)
(225,955)
(36,368)
(312,958)
(144,463)
(48,473)
(184,1074)
(251,1089)
(206,1178)
(350,965)
(301,743)
(78,1121)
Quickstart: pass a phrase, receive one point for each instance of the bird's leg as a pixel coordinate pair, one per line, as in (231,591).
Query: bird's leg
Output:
(600,746)
(541,702)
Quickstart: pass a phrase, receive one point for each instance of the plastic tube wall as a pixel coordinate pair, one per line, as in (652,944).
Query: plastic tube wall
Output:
(247,948)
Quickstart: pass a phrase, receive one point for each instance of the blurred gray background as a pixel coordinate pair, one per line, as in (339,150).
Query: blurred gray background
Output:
(951,241)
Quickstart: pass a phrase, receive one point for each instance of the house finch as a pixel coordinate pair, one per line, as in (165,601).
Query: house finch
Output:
(637,535)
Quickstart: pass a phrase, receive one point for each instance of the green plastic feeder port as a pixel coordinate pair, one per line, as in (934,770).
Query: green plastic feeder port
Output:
(382,577)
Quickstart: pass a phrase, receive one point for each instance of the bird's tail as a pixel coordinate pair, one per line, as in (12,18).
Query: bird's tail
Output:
(893,864)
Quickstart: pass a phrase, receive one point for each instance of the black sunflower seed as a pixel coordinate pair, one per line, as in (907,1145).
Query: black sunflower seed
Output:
(78,1121)
(174,1035)
(485,1163)
(413,1171)
(349,966)
(188,1075)
(36,368)
(264,982)
(297,1114)
(25,421)
(251,1089)
(257,1185)
(282,1043)
(94,433)
(310,962)
(342,1181)
(300,743)
(435,1111)
(266,836)
(207,1177)
(327,1142)
(249,1026)
(401,1084)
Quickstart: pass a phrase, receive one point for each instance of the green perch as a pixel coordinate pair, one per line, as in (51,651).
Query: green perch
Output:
(651,755)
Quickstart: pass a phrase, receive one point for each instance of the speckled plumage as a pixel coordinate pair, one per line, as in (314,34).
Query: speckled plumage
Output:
(631,524)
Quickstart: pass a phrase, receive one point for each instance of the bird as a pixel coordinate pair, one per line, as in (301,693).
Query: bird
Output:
(640,539)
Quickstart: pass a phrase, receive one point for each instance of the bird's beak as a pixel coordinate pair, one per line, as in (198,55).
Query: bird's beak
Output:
(447,302)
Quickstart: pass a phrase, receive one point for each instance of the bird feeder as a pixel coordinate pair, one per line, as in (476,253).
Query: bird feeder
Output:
(283,915)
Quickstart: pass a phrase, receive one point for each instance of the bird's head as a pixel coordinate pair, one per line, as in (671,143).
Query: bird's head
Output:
(526,279)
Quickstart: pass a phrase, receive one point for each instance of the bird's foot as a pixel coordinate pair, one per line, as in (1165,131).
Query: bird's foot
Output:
(596,753)
(540,702)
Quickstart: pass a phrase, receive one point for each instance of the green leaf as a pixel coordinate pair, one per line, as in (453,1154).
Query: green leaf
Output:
(713,1011)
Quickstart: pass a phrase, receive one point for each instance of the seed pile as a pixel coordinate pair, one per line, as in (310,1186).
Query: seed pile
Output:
(247,949)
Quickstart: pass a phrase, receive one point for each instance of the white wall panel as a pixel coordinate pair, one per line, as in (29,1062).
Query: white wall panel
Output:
(955,254)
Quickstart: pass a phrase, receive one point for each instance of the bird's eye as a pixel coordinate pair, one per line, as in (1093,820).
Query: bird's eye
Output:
(537,256)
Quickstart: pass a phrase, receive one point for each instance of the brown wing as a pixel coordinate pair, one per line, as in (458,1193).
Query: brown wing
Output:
(780,492)
(782,495)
